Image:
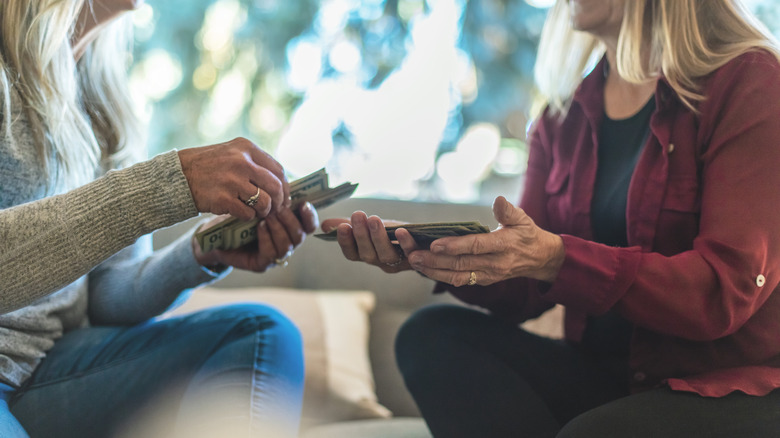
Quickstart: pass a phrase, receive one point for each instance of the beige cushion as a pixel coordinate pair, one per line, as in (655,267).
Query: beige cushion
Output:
(334,325)
(399,427)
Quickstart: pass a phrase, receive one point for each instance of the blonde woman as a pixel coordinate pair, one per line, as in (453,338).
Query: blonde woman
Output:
(80,355)
(648,212)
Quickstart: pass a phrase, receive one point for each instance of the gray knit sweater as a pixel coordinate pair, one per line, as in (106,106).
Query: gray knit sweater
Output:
(84,256)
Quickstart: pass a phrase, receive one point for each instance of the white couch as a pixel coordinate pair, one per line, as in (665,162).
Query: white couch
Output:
(341,400)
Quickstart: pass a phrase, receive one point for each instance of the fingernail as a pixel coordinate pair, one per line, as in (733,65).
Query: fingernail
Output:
(373,225)
(437,248)
(415,259)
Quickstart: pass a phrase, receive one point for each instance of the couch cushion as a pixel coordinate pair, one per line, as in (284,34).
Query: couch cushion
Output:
(335,329)
(389,428)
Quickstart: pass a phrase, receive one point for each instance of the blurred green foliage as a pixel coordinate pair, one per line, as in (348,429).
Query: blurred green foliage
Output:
(210,70)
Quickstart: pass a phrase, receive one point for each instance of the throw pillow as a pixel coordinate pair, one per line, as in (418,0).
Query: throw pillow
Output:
(339,384)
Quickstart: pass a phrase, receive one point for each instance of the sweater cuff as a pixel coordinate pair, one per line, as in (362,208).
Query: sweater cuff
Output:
(192,274)
(165,198)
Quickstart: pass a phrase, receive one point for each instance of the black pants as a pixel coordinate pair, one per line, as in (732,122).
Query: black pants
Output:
(475,376)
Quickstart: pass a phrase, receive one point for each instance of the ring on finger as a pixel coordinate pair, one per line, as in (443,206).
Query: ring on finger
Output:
(283,261)
(253,200)
(394,264)
(398,262)
(472,278)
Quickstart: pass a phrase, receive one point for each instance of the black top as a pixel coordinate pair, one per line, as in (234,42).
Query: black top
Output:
(620,144)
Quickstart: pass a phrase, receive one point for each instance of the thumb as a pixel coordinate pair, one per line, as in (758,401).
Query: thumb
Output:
(333,223)
(507,214)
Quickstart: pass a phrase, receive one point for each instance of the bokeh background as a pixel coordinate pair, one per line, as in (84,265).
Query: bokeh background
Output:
(412,99)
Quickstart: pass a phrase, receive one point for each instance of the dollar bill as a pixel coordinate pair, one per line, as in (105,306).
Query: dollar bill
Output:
(425,233)
(233,233)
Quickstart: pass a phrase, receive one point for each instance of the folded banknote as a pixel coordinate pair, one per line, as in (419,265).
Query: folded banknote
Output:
(425,234)
(234,233)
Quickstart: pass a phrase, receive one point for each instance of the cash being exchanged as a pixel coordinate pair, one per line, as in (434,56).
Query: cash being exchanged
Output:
(425,234)
(233,233)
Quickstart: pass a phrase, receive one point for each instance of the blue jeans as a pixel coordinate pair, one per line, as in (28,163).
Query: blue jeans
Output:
(237,368)
(475,376)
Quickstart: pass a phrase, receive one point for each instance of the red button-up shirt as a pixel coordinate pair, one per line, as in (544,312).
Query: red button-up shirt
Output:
(703,261)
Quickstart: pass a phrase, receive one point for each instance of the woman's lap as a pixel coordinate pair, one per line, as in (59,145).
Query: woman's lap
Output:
(674,414)
(94,379)
(473,375)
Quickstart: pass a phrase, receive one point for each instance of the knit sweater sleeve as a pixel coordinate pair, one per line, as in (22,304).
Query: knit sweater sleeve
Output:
(51,242)
(137,283)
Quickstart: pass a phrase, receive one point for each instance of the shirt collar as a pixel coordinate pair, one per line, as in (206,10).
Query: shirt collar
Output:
(590,93)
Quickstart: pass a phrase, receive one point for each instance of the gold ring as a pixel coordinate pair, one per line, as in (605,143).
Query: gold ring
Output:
(394,264)
(472,278)
(401,257)
(282,261)
(253,200)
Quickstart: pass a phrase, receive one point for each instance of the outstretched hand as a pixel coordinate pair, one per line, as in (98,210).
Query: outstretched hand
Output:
(517,248)
(364,239)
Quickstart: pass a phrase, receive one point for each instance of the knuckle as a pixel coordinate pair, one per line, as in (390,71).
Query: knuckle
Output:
(476,245)
(276,184)
(263,208)
(242,141)
(460,264)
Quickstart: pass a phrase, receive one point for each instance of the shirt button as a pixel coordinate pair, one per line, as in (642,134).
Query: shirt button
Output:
(639,376)
(671,148)
(760,280)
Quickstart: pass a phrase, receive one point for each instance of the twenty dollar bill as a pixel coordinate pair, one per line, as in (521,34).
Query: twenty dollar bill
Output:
(233,233)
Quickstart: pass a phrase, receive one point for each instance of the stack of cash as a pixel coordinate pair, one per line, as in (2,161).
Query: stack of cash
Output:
(425,234)
(233,233)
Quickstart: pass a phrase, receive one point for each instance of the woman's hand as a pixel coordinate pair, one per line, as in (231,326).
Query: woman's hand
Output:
(364,238)
(223,177)
(277,236)
(518,248)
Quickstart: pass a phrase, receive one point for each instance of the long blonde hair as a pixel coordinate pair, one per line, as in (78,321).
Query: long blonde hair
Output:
(686,39)
(80,114)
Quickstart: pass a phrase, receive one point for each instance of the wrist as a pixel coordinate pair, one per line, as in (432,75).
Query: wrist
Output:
(557,255)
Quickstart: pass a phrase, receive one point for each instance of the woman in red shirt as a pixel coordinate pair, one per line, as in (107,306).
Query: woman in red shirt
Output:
(648,212)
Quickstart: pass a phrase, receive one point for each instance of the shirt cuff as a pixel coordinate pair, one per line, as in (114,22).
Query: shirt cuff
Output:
(593,276)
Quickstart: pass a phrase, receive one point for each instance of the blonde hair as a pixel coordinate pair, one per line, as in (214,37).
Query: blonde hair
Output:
(685,40)
(80,114)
